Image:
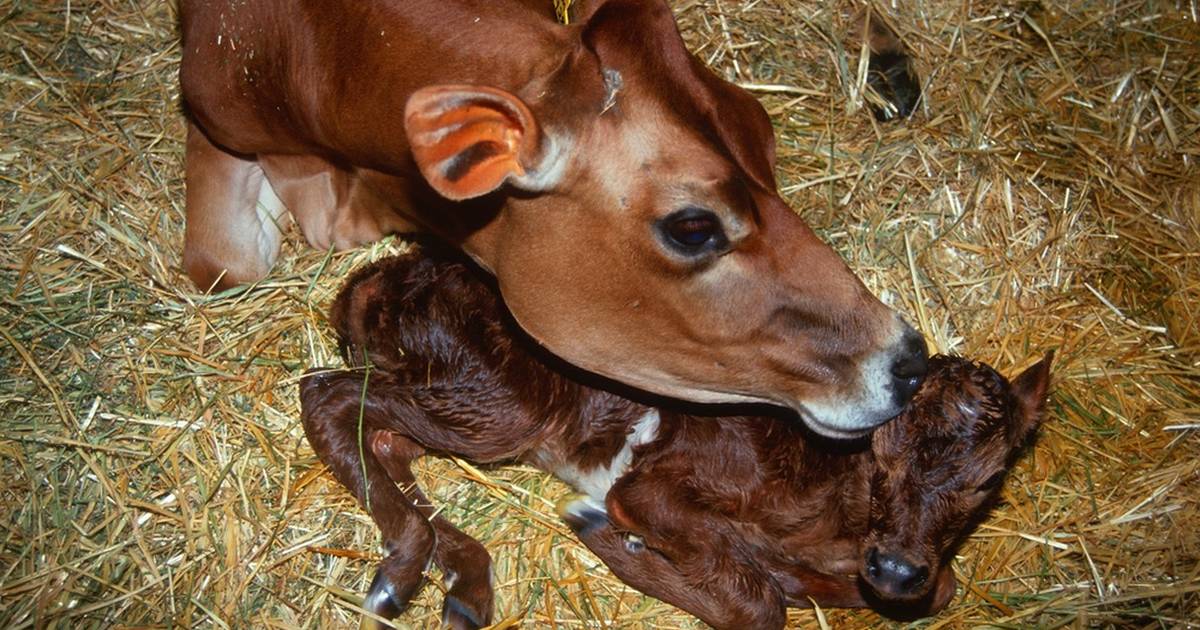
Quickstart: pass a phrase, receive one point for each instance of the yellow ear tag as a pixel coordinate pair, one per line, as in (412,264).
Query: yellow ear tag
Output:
(562,10)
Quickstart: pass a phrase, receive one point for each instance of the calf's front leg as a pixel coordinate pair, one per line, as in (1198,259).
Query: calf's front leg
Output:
(802,586)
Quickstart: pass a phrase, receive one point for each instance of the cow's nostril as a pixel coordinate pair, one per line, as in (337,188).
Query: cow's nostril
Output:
(910,366)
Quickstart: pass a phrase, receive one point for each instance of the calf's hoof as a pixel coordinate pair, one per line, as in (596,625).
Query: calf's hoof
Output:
(469,596)
(892,77)
(382,600)
(390,593)
(582,514)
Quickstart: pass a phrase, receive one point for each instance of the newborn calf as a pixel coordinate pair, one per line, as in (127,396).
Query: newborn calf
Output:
(730,520)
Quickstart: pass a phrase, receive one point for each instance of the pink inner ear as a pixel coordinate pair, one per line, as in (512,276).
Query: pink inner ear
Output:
(469,140)
(617,515)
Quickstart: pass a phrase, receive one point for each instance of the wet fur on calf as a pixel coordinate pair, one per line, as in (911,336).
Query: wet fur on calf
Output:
(731,519)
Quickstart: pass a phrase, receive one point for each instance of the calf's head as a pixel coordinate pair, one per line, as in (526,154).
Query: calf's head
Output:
(639,233)
(938,467)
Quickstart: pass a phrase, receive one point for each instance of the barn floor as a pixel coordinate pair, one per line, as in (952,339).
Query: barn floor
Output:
(1045,196)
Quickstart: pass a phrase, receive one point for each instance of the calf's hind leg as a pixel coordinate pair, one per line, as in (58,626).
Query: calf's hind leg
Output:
(331,405)
(465,562)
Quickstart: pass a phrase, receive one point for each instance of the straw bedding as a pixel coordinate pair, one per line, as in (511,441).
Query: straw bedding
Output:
(1045,195)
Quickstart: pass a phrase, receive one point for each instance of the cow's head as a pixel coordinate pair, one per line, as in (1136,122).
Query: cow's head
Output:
(641,235)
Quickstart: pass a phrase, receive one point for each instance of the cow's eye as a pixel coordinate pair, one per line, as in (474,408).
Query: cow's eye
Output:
(693,231)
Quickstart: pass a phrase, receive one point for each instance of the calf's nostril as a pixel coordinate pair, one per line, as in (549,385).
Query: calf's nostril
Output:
(873,562)
(910,366)
(917,580)
(895,575)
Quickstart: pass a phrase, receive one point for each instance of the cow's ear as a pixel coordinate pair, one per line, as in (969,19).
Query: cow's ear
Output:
(470,140)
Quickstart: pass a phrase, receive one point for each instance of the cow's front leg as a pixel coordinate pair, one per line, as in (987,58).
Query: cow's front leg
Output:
(235,221)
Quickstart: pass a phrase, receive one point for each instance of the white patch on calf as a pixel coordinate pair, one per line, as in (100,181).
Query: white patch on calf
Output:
(612,87)
(596,482)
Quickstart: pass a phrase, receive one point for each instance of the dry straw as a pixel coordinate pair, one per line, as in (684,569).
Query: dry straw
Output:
(1045,195)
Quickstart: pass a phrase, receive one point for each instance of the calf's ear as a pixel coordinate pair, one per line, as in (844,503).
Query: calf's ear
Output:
(1030,390)
(469,140)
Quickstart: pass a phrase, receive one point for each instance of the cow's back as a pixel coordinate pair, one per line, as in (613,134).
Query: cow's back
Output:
(277,76)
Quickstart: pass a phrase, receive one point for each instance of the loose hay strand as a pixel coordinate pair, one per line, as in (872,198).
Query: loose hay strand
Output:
(1045,196)
(362,409)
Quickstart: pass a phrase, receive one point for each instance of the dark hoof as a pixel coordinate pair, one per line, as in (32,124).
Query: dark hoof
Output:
(459,615)
(581,515)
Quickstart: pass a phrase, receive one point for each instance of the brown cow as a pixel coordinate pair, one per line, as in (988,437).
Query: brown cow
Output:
(622,194)
(730,520)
